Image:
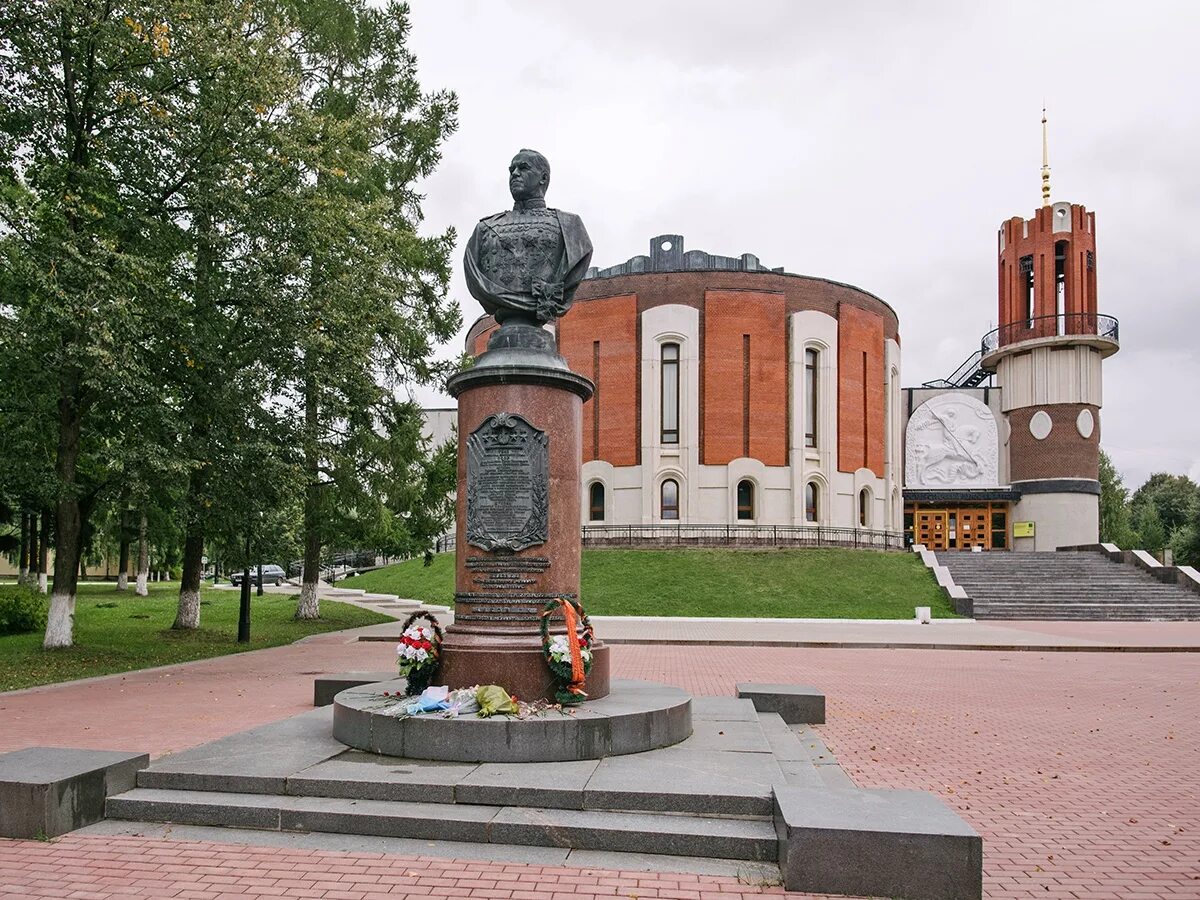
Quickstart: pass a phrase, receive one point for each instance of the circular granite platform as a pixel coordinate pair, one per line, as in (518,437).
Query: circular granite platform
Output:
(636,716)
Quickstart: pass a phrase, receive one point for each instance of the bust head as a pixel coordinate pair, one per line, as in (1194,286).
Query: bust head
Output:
(528,175)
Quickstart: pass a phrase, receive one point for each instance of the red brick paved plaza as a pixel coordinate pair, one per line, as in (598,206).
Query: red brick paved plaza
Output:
(1080,770)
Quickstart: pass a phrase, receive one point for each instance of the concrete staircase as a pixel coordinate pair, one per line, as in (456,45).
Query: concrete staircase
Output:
(709,797)
(1077,585)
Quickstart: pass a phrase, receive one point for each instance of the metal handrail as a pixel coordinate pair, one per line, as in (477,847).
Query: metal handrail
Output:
(1060,325)
(961,376)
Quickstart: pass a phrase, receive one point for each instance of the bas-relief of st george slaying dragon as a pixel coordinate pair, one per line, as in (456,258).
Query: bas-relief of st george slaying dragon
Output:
(952,441)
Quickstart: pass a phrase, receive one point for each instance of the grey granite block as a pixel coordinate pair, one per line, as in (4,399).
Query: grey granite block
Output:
(814,746)
(257,761)
(197,808)
(347,843)
(795,702)
(785,743)
(746,737)
(722,709)
(431,821)
(636,833)
(48,791)
(636,716)
(369,776)
(834,777)
(802,773)
(326,687)
(904,844)
(549,784)
(677,779)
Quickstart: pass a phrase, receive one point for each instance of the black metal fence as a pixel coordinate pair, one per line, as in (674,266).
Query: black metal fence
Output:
(682,535)
(1089,324)
(678,535)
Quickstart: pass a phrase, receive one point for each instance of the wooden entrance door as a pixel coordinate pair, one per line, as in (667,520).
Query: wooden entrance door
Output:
(932,529)
(973,528)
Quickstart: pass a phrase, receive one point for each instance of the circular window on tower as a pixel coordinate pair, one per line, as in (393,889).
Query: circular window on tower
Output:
(1040,425)
(1086,423)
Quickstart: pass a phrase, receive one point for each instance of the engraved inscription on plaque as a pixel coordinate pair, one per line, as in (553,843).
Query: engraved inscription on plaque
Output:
(525,609)
(506,573)
(508,479)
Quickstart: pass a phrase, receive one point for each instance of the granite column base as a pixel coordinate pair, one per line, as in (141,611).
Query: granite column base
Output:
(522,548)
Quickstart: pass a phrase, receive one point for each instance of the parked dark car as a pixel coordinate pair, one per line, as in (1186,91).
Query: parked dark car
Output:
(270,574)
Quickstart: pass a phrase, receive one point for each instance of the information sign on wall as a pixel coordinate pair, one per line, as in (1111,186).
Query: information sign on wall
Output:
(1022,529)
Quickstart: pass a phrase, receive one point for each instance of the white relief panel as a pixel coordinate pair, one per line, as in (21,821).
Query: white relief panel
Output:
(951,441)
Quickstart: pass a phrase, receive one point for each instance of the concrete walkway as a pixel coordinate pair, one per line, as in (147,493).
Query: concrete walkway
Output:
(943,634)
(1077,768)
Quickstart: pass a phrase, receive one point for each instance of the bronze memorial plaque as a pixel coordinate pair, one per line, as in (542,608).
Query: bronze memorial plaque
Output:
(508,504)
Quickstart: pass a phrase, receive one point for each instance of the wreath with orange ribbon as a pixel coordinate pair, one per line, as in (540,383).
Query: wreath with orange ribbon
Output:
(568,656)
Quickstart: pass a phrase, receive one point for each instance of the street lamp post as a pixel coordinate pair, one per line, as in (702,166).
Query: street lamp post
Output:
(244,610)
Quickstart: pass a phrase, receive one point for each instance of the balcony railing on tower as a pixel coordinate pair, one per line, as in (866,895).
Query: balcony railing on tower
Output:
(1060,325)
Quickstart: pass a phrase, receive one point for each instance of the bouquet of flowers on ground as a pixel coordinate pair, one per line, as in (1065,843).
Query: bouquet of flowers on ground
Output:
(419,652)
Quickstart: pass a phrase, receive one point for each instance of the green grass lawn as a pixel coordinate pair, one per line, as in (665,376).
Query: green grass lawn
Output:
(117,631)
(828,583)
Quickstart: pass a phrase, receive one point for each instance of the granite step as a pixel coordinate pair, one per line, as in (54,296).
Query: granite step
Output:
(674,779)
(641,832)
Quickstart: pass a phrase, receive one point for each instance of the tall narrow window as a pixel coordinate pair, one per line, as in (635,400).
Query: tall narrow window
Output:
(745,499)
(864,507)
(810,398)
(670,393)
(596,502)
(596,400)
(670,500)
(1025,267)
(1060,286)
(810,502)
(745,395)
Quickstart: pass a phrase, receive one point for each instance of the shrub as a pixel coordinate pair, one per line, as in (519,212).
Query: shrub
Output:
(21,611)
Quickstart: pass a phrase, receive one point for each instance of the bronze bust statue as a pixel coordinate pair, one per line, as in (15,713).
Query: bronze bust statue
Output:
(525,264)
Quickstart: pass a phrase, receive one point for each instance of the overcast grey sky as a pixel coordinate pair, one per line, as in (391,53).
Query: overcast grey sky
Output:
(876,143)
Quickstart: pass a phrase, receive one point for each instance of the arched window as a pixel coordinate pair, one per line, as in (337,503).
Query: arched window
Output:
(810,502)
(811,398)
(670,393)
(745,499)
(669,508)
(864,507)
(596,502)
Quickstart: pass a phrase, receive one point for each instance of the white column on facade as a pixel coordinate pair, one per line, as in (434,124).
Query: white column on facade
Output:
(679,324)
(811,329)
(891,464)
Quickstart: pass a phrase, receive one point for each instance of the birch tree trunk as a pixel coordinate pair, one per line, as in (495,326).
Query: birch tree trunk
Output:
(143,563)
(60,623)
(309,606)
(188,614)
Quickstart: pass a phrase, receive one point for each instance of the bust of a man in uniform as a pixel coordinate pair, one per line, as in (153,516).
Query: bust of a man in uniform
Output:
(524,264)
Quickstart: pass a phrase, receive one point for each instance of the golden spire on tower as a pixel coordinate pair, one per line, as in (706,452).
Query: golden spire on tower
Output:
(1045,163)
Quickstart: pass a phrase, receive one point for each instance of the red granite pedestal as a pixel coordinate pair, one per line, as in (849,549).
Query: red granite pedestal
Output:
(500,593)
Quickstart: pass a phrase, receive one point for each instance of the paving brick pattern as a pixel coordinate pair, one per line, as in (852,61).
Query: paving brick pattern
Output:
(124,868)
(1081,770)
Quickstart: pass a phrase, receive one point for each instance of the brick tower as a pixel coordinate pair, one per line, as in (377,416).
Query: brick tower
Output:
(1047,355)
